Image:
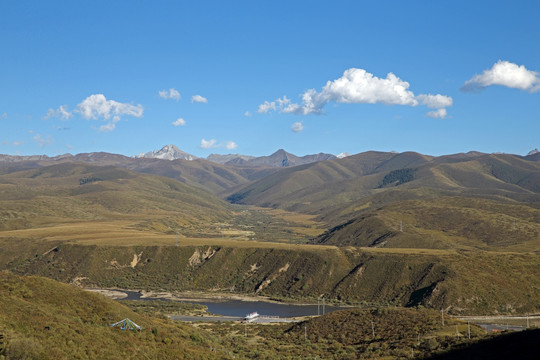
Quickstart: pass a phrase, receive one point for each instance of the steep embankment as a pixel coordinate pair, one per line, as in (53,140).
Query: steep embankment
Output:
(461,281)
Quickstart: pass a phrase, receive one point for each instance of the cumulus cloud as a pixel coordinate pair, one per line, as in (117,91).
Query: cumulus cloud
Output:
(247,114)
(172,93)
(62,112)
(98,107)
(179,122)
(435,101)
(198,99)
(42,142)
(280,104)
(357,86)
(207,144)
(297,127)
(230,145)
(507,74)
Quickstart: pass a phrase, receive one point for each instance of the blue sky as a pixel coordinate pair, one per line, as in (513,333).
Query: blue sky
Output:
(86,76)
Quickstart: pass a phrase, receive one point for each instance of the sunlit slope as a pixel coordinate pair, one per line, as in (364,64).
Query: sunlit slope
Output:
(77,191)
(466,199)
(43,319)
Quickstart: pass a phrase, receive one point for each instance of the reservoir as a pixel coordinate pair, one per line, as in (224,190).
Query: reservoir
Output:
(239,308)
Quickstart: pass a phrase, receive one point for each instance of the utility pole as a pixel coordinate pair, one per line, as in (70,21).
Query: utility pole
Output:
(318,306)
(401,226)
(245,329)
(442,316)
(527,321)
(457,332)
(373,328)
(469,329)
(176,238)
(305,332)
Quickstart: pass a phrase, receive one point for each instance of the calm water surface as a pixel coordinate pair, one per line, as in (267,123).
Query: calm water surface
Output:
(241,308)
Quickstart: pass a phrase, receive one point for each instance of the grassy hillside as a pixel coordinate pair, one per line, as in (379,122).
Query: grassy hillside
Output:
(468,200)
(43,319)
(202,174)
(381,333)
(463,282)
(79,192)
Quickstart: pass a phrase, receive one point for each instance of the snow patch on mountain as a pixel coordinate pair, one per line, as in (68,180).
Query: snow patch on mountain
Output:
(168,152)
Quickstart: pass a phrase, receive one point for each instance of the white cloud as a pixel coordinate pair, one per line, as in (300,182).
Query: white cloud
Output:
(507,74)
(43,141)
(213,144)
(435,101)
(110,126)
(62,112)
(230,145)
(297,127)
(248,114)
(198,99)
(172,93)
(97,106)
(437,114)
(357,86)
(207,144)
(266,107)
(179,122)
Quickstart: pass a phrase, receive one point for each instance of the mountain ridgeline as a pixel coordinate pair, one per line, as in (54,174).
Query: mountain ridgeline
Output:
(375,227)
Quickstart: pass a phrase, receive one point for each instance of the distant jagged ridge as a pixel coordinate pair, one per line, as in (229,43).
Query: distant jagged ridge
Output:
(280,158)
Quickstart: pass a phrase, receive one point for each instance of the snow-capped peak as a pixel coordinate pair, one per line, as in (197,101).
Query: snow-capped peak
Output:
(343,155)
(168,152)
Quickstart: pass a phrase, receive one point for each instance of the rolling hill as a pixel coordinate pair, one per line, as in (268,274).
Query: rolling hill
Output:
(44,319)
(480,200)
(69,192)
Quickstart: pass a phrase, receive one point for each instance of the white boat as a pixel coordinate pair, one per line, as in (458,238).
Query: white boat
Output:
(251,316)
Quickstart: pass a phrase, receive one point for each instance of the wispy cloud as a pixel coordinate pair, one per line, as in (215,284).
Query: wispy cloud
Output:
(62,112)
(13,143)
(172,93)
(179,122)
(207,144)
(297,127)
(357,86)
(213,144)
(247,114)
(198,99)
(42,142)
(437,114)
(507,74)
